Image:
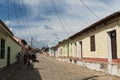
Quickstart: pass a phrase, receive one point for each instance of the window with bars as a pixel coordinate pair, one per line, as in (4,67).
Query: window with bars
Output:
(2,48)
(92,43)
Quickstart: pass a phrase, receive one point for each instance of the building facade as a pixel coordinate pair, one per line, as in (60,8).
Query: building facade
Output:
(96,47)
(23,43)
(8,46)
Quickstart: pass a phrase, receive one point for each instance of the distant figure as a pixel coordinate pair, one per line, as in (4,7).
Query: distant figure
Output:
(28,63)
(18,57)
(33,57)
(28,60)
(25,58)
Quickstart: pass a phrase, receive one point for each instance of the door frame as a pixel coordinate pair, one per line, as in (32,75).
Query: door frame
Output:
(81,49)
(8,55)
(109,45)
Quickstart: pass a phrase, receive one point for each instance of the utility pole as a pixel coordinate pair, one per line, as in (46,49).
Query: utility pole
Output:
(31,41)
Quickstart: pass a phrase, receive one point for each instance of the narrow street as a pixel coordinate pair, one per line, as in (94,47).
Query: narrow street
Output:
(50,69)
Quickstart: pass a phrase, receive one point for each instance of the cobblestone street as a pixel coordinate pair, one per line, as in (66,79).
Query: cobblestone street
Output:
(50,69)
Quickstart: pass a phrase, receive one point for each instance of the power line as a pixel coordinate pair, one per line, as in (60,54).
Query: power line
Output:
(89,9)
(65,21)
(18,14)
(8,7)
(19,6)
(48,18)
(58,16)
(76,13)
(27,23)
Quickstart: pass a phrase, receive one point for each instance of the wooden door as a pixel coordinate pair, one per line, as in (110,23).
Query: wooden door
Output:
(113,44)
(81,48)
(8,56)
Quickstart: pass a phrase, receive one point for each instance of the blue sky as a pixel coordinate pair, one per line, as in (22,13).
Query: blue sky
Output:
(50,21)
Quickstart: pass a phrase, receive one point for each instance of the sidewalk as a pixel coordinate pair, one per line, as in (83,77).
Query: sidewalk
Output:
(8,71)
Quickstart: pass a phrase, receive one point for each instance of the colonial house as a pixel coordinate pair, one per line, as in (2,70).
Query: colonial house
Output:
(23,43)
(9,47)
(96,47)
(52,51)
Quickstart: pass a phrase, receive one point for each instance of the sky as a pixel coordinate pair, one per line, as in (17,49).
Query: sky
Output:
(46,22)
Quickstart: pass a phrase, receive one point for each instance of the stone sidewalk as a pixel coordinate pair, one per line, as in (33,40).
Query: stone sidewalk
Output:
(26,74)
(6,72)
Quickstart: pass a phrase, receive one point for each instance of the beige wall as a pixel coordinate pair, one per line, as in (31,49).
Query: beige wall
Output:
(15,48)
(3,61)
(102,42)
(118,41)
(23,47)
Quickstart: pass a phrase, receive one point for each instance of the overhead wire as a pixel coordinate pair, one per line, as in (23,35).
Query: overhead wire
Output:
(23,21)
(18,15)
(65,21)
(27,22)
(59,18)
(48,19)
(89,9)
(8,8)
(73,11)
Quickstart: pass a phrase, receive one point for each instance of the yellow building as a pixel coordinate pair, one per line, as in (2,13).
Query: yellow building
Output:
(99,41)
(8,46)
(63,49)
(97,46)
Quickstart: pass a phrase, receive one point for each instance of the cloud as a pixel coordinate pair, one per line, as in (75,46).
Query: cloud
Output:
(7,22)
(42,23)
(47,27)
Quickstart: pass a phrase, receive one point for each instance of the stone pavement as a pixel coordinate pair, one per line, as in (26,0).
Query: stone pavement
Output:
(26,74)
(6,72)
(50,69)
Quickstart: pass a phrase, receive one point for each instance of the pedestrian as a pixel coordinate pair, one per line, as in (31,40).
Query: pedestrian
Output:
(18,57)
(28,64)
(28,60)
(25,58)
(33,57)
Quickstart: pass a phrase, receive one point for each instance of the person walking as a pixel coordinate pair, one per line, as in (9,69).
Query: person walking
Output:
(25,58)
(18,57)
(29,60)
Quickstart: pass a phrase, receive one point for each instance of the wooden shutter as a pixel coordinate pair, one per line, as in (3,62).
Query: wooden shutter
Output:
(92,42)
(2,48)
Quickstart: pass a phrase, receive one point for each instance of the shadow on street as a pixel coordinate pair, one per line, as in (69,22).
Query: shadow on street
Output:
(23,73)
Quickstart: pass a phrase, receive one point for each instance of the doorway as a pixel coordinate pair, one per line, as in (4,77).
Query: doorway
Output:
(8,56)
(75,50)
(80,49)
(113,44)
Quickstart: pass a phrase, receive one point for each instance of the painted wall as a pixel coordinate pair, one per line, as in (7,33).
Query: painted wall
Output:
(23,46)
(102,42)
(3,61)
(52,52)
(65,48)
(15,48)
(118,39)
(70,49)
